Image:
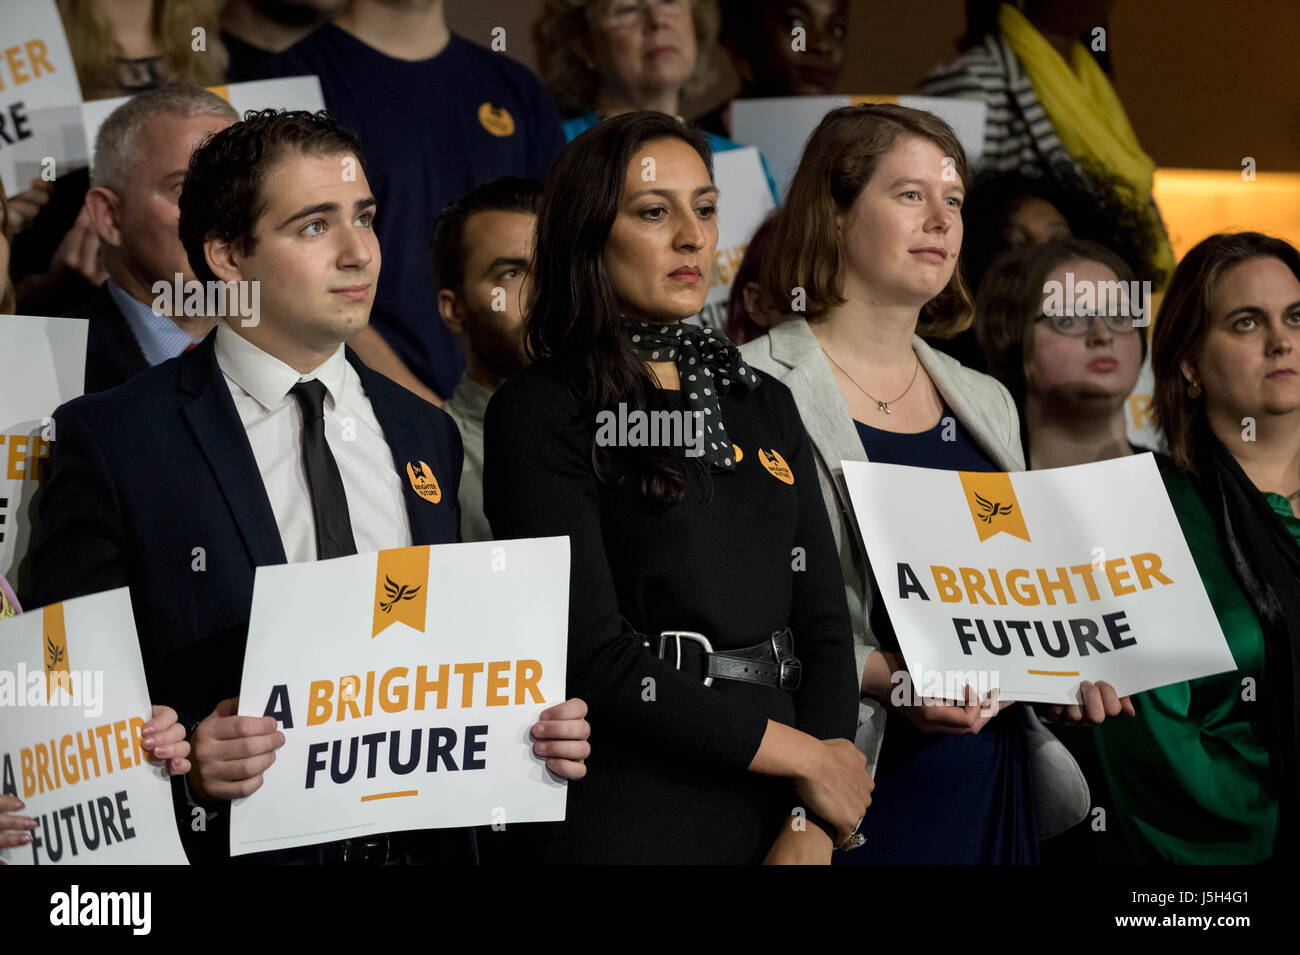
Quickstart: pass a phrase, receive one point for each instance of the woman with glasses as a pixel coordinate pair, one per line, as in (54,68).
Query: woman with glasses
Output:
(600,58)
(1059,326)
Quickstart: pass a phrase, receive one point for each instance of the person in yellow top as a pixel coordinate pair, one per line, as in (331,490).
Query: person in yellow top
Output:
(1049,100)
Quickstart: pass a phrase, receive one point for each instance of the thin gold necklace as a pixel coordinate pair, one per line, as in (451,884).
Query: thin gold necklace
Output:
(880,405)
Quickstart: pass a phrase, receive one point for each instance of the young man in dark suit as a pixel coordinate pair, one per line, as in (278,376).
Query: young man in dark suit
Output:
(269,442)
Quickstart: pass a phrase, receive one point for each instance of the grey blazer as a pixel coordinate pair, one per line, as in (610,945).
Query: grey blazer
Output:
(791,353)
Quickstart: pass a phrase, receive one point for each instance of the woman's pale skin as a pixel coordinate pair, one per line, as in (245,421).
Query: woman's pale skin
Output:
(163,737)
(641,51)
(899,243)
(1075,388)
(1249,368)
(664,232)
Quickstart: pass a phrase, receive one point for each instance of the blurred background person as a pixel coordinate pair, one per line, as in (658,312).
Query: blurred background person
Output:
(119,47)
(1008,210)
(750,310)
(1207,773)
(482,251)
(1069,374)
(1041,68)
(128,46)
(437,115)
(252,30)
(601,58)
(759,36)
(141,154)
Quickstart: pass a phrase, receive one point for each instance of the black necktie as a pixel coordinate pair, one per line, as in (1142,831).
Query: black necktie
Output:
(329,503)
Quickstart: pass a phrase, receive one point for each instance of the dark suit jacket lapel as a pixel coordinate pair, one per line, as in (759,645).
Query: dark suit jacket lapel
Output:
(407,444)
(220,434)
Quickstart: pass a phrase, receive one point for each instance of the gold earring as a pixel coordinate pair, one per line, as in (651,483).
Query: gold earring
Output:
(1194,389)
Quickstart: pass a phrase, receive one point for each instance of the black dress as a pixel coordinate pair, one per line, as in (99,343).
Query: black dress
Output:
(743,555)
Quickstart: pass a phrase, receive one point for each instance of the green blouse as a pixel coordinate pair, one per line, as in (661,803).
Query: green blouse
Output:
(1188,775)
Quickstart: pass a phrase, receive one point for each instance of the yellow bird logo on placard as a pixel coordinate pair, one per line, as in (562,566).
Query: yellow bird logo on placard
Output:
(991,509)
(396,592)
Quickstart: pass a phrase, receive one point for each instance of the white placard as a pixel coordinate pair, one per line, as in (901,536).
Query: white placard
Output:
(73,700)
(294,92)
(42,365)
(1139,415)
(780,125)
(1038,580)
(40,97)
(744,200)
(405,683)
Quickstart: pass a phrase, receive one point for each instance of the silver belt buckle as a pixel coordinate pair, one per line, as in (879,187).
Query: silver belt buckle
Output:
(678,636)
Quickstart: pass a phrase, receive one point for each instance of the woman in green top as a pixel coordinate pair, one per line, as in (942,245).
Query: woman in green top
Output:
(1206,773)
(1196,776)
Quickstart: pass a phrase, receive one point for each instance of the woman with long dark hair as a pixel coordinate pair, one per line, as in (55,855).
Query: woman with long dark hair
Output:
(1209,771)
(707,626)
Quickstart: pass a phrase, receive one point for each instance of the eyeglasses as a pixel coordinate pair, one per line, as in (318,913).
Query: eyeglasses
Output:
(630,13)
(1080,323)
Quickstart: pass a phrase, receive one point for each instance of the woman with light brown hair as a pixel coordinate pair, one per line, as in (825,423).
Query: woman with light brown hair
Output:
(123,47)
(866,248)
(1209,771)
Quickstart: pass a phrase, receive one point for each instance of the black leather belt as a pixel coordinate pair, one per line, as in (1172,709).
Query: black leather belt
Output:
(770,663)
(379,849)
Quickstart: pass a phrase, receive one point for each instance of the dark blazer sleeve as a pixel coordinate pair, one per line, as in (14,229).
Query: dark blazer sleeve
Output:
(827,698)
(538,482)
(79,545)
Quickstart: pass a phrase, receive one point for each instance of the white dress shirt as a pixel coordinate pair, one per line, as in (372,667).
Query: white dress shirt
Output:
(259,385)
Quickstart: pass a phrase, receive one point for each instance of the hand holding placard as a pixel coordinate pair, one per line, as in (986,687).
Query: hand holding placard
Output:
(231,752)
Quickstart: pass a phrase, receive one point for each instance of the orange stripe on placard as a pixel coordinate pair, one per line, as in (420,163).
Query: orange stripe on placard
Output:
(220,91)
(1053,672)
(55,650)
(404,792)
(873,98)
(401,588)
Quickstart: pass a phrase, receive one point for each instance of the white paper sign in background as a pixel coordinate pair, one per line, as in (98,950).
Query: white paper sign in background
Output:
(359,646)
(77,765)
(744,200)
(42,365)
(1133,612)
(40,97)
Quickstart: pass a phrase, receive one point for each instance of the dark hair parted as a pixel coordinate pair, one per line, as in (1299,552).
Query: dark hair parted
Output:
(1181,325)
(574,313)
(507,194)
(841,156)
(222,196)
(1096,205)
(1011,298)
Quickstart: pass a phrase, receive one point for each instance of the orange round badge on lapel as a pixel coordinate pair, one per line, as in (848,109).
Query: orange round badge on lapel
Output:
(423,482)
(740,455)
(776,466)
(496,119)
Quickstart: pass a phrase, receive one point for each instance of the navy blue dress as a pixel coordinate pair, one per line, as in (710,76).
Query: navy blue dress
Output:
(941,799)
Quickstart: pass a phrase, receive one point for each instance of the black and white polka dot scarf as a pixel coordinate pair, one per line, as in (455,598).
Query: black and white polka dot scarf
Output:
(709,365)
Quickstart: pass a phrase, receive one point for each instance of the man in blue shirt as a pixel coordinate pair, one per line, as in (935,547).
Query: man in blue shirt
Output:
(437,115)
(141,153)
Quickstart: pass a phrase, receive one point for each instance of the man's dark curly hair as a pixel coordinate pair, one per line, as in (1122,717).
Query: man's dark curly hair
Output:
(222,195)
